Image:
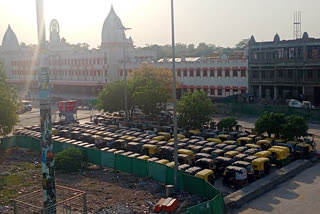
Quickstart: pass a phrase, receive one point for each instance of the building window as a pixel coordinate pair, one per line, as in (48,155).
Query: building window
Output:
(211,73)
(219,92)
(280,73)
(235,91)
(310,52)
(227,92)
(205,90)
(235,73)
(280,53)
(212,91)
(227,73)
(300,74)
(243,72)
(219,73)
(290,74)
(309,73)
(263,74)
(185,74)
(291,53)
(179,73)
(243,91)
(205,73)
(254,74)
(198,73)
(272,75)
(191,73)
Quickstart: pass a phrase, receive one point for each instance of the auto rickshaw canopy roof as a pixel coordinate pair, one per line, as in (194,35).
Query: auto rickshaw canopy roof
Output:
(263,154)
(215,140)
(230,142)
(185,151)
(231,153)
(263,142)
(204,173)
(244,139)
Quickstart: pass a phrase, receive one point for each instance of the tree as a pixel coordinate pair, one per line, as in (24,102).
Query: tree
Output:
(194,110)
(9,105)
(294,127)
(270,122)
(227,123)
(242,44)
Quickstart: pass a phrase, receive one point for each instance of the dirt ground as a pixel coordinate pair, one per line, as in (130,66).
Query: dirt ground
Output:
(108,191)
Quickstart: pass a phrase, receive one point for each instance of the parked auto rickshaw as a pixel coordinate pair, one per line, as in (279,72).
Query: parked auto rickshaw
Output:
(207,150)
(230,148)
(241,149)
(193,170)
(235,177)
(253,137)
(261,166)
(163,161)
(193,141)
(303,150)
(222,163)
(242,141)
(217,152)
(85,137)
(240,157)
(231,142)
(211,144)
(159,138)
(181,145)
(166,135)
(199,155)
(161,143)
(284,148)
(264,144)
(54,131)
(207,175)
(250,152)
(220,146)
(206,163)
(134,147)
(253,146)
(201,143)
(263,154)
(196,149)
(233,135)
(250,158)
(223,137)
(184,167)
(153,159)
(231,154)
(186,156)
(214,140)
(193,132)
(248,167)
(144,157)
(148,149)
(292,145)
(166,152)
(279,157)
(63,133)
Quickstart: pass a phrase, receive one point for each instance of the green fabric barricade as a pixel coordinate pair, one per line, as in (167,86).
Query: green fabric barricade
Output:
(157,171)
(194,185)
(57,147)
(139,167)
(35,145)
(8,142)
(123,163)
(94,156)
(107,159)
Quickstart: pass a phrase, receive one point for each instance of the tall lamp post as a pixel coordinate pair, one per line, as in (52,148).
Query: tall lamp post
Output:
(125,74)
(176,185)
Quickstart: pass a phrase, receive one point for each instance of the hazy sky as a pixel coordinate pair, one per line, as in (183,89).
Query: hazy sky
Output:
(221,22)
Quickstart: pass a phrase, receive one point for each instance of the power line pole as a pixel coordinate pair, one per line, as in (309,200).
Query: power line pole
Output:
(48,174)
(125,75)
(176,184)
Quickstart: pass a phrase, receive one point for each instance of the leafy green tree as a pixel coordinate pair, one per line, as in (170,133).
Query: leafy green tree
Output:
(271,123)
(242,44)
(227,123)
(194,110)
(9,105)
(294,127)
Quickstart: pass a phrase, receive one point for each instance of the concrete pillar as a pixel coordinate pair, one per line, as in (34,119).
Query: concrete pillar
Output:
(275,92)
(260,91)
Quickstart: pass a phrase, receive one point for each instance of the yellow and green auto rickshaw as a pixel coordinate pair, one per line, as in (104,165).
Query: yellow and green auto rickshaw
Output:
(231,142)
(235,177)
(223,137)
(253,146)
(163,161)
(231,154)
(214,140)
(159,138)
(261,167)
(263,154)
(186,156)
(284,148)
(165,134)
(150,150)
(279,157)
(303,150)
(206,163)
(207,175)
(264,144)
(242,141)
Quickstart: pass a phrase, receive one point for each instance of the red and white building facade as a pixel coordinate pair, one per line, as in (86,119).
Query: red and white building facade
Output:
(219,76)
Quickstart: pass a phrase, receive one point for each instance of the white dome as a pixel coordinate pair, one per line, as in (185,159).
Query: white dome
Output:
(54,31)
(113,30)
(10,41)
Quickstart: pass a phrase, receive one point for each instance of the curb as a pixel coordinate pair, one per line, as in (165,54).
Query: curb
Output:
(265,184)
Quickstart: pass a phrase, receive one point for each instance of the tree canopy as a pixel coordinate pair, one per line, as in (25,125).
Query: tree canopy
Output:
(147,88)
(194,110)
(9,105)
(294,127)
(270,122)
(227,123)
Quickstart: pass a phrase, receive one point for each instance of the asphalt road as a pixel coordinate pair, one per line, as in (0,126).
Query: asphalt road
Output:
(298,195)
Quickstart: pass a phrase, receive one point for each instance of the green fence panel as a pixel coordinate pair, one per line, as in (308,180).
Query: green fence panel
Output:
(170,177)
(107,159)
(67,145)
(139,167)
(217,204)
(194,185)
(8,142)
(210,191)
(94,156)
(123,163)
(20,141)
(157,171)
(35,145)
(57,147)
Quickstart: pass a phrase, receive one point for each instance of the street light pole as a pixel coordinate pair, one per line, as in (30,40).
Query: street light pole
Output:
(125,75)
(176,184)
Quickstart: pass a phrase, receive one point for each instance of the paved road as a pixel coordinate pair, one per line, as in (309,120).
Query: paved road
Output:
(298,195)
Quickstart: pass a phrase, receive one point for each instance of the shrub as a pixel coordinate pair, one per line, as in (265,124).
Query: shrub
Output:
(70,160)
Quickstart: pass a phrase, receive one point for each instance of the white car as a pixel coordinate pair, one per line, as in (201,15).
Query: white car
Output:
(26,105)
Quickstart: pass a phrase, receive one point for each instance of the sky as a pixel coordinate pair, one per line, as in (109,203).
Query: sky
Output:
(219,22)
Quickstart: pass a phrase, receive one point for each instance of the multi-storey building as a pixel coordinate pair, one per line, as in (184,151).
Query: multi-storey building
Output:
(219,76)
(280,70)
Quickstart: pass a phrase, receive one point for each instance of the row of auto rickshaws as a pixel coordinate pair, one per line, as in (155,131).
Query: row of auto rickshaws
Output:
(239,158)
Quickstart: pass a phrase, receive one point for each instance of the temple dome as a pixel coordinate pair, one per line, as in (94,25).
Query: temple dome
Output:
(54,31)
(113,30)
(305,36)
(252,40)
(276,38)
(10,41)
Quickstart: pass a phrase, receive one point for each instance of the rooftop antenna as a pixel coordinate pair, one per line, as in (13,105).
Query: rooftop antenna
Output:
(297,25)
